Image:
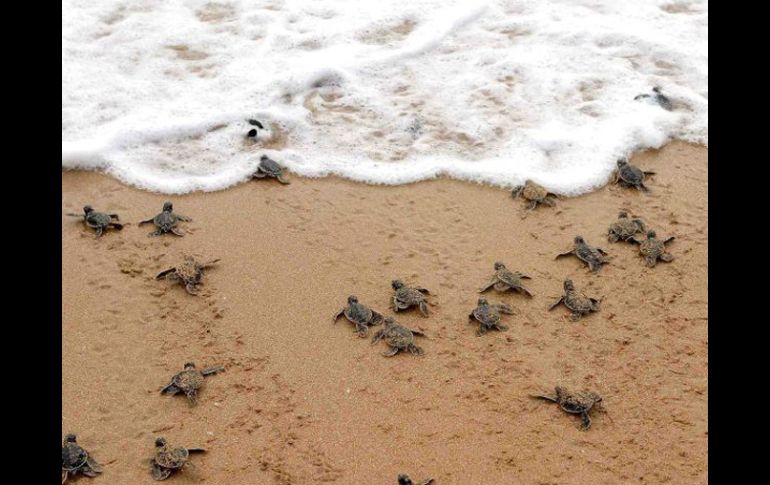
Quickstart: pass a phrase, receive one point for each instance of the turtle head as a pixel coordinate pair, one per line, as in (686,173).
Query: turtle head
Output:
(160,442)
(352,299)
(568,285)
(396,284)
(389,321)
(656,89)
(404,479)
(189,366)
(560,391)
(651,234)
(71,438)
(622,162)
(499,265)
(623,215)
(88,209)
(264,158)
(579,240)
(482,301)
(168,207)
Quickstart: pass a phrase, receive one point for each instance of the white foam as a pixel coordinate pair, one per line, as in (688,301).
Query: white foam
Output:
(158,93)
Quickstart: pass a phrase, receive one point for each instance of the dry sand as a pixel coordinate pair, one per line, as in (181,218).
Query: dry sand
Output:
(304,401)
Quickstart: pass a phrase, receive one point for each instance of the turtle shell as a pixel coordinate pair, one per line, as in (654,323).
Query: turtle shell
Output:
(587,253)
(509,277)
(487,314)
(165,220)
(578,302)
(652,248)
(98,219)
(359,313)
(270,166)
(188,380)
(399,336)
(73,457)
(409,296)
(577,402)
(625,228)
(173,458)
(189,271)
(533,191)
(631,174)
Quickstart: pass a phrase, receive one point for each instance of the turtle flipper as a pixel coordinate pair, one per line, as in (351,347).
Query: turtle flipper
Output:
(146,222)
(525,291)
(99,232)
(642,187)
(159,473)
(417,332)
(338,315)
(362,330)
(164,273)
(586,421)
(282,179)
(212,370)
(176,232)
(64,475)
(669,240)
(190,288)
(114,216)
(196,450)
(666,257)
(377,318)
(416,350)
(501,328)
(649,173)
(605,253)
(378,336)
(568,253)
(170,389)
(505,308)
(210,263)
(558,302)
(390,353)
(651,261)
(116,225)
(489,285)
(532,205)
(540,396)
(424,309)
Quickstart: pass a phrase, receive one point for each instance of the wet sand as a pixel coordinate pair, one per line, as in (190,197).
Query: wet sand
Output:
(306,401)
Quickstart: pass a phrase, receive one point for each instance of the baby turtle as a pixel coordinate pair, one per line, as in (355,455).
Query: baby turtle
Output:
(74,460)
(404,479)
(629,175)
(361,315)
(398,337)
(189,273)
(488,316)
(189,381)
(576,302)
(535,194)
(269,168)
(653,249)
(406,297)
(574,403)
(168,460)
(657,97)
(624,228)
(505,279)
(98,221)
(592,256)
(253,132)
(167,221)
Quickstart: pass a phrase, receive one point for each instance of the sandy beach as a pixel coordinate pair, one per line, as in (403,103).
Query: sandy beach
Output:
(305,401)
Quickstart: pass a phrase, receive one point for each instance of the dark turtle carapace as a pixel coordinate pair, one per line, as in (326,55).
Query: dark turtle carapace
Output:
(407,296)
(576,302)
(534,194)
(656,97)
(75,459)
(507,280)
(592,256)
(360,315)
(574,403)
(629,175)
(169,459)
(189,273)
(625,228)
(653,249)
(189,381)
(398,337)
(489,316)
(271,169)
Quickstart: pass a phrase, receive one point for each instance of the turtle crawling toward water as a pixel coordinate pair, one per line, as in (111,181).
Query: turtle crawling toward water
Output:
(398,337)
(576,302)
(75,459)
(654,249)
(624,229)
(189,381)
(535,194)
(657,97)
(629,175)
(167,221)
(505,279)
(592,256)
(359,314)
(574,403)
(189,273)
(99,221)
(489,316)
(269,168)
(168,459)
(404,479)
(407,296)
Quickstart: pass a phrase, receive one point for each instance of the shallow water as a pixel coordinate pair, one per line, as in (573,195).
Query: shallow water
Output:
(157,93)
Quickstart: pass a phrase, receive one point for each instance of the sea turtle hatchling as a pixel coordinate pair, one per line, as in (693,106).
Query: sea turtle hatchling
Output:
(269,168)
(404,479)
(406,296)
(488,316)
(505,279)
(189,273)
(189,381)
(592,256)
(576,302)
(167,221)
(625,228)
(629,175)
(535,194)
(398,337)
(168,459)
(574,403)
(657,97)
(75,459)
(99,221)
(359,314)
(654,249)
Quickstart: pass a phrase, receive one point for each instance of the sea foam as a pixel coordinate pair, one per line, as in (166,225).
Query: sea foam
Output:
(158,93)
